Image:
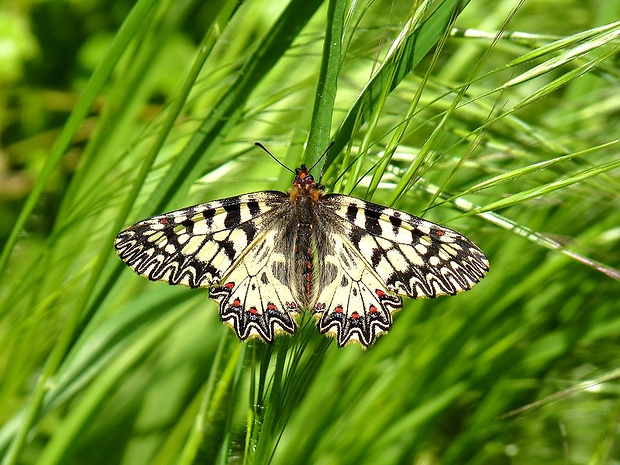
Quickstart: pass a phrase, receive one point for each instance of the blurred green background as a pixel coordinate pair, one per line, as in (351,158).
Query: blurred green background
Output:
(114,111)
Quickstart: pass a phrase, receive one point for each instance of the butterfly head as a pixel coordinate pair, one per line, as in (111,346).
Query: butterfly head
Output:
(304,185)
(303,178)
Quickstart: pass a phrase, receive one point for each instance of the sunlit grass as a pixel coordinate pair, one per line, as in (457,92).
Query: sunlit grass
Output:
(511,140)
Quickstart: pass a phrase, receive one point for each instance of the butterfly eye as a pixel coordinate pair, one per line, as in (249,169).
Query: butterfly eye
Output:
(303,178)
(308,180)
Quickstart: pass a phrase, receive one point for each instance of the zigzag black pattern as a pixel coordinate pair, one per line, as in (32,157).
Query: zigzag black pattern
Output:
(268,255)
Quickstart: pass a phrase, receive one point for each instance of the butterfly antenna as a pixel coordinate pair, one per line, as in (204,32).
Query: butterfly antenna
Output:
(324,161)
(258,144)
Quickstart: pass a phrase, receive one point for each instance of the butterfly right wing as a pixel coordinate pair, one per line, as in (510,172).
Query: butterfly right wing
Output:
(373,255)
(413,256)
(226,245)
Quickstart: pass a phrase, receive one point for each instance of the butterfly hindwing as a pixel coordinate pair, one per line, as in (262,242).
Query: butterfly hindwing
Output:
(254,299)
(355,306)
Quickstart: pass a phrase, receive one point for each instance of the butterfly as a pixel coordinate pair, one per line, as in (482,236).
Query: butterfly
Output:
(267,256)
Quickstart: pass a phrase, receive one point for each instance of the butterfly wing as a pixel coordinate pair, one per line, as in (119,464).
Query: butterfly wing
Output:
(197,246)
(353,305)
(381,254)
(255,299)
(227,245)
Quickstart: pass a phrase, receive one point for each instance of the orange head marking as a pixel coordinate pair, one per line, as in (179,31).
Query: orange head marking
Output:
(303,178)
(304,185)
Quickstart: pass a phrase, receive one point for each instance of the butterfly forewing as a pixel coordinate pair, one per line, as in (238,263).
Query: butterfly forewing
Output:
(412,256)
(268,255)
(197,246)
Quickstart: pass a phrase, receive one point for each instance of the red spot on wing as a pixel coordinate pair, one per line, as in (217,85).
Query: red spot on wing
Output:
(380,293)
(229,285)
(355,316)
(163,221)
(338,309)
(438,232)
(271,306)
(253,310)
(236,303)
(372,309)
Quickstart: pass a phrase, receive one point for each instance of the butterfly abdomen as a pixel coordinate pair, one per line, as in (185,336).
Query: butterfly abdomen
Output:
(304,262)
(302,226)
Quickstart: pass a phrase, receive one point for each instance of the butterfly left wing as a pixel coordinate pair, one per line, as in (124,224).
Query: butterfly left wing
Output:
(228,245)
(254,297)
(382,254)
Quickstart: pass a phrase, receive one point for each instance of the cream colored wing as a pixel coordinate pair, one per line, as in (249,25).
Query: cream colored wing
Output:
(373,255)
(353,305)
(411,256)
(254,297)
(197,246)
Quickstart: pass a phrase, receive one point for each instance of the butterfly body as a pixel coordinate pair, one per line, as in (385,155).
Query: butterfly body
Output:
(268,255)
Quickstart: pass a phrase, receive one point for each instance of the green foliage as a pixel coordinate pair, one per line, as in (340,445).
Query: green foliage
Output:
(497,119)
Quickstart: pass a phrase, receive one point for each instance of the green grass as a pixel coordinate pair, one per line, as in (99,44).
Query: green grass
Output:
(509,138)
